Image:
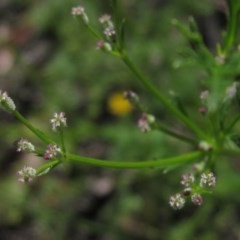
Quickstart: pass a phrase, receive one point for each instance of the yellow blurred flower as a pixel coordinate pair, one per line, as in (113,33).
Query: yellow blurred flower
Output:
(118,105)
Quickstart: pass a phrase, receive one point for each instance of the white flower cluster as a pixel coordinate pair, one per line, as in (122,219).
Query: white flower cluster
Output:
(80,11)
(25,145)
(58,120)
(6,102)
(27,174)
(193,189)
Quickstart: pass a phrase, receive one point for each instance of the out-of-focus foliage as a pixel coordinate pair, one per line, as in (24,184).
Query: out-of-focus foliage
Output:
(49,63)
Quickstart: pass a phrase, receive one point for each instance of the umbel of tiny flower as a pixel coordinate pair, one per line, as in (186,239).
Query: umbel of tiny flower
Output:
(197,199)
(187,179)
(6,102)
(192,189)
(177,201)
(59,120)
(27,174)
(109,31)
(25,145)
(106,19)
(80,11)
(145,121)
(132,97)
(51,152)
(208,179)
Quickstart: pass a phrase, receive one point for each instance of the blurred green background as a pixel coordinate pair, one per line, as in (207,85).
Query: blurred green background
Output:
(49,63)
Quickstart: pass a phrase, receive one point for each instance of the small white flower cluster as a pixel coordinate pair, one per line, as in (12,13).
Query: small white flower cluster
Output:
(207,180)
(25,145)
(27,174)
(145,121)
(187,179)
(105,19)
(80,11)
(177,201)
(132,97)
(109,32)
(6,102)
(51,152)
(59,120)
(109,29)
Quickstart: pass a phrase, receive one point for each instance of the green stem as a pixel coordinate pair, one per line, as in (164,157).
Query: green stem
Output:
(232,124)
(94,33)
(161,163)
(233,24)
(62,142)
(45,168)
(35,131)
(166,103)
(179,136)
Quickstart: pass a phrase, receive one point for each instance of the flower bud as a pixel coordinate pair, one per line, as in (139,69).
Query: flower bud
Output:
(105,46)
(205,146)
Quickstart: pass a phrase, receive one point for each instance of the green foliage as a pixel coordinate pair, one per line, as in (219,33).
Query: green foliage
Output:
(79,80)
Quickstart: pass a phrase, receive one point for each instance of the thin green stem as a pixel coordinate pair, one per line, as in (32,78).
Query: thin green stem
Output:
(161,163)
(232,124)
(62,142)
(233,24)
(35,131)
(151,88)
(45,168)
(94,33)
(166,103)
(174,134)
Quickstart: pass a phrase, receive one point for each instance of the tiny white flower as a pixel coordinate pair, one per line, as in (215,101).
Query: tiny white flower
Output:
(6,102)
(27,174)
(80,11)
(52,151)
(197,199)
(187,179)
(25,145)
(177,201)
(58,120)
(109,31)
(105,18)
(208,179)
(145,121)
